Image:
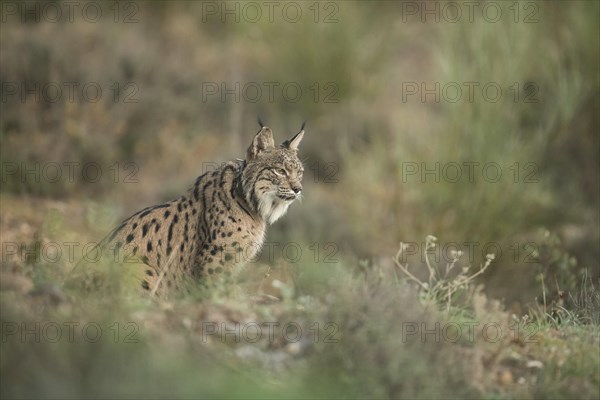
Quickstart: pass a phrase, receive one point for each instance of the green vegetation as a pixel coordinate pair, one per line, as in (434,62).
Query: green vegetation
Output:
(345,330)
(437,319)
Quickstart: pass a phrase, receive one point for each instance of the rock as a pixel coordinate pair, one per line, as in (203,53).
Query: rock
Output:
(52,293)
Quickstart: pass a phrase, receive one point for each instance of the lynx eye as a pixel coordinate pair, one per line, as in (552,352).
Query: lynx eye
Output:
(280,171)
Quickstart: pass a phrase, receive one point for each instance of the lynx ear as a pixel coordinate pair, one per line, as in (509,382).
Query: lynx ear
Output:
(262,141)
(292,144)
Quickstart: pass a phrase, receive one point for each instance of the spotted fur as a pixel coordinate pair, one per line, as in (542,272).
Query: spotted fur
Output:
(219,223)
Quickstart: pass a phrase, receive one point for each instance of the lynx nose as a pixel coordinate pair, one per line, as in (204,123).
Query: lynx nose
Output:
(297,189)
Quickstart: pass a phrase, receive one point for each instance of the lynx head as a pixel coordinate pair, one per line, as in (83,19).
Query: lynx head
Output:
(272,179)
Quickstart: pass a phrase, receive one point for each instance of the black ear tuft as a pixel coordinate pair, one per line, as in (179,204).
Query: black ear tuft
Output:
(292,144)
(262,125)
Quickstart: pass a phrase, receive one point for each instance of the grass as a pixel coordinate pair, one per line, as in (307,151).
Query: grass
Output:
(359,204)
(367,331)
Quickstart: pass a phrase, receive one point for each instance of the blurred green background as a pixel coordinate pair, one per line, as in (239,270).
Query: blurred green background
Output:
(183,83)
(384,87)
